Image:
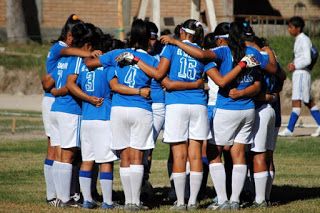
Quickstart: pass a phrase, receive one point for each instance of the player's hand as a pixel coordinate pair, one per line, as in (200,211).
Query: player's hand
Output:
(200,83)
(126,58)
(96,101)
(250,61)
(96,53)
(234,93)
(291,67)
(144,92)
(165,39)
(54,92)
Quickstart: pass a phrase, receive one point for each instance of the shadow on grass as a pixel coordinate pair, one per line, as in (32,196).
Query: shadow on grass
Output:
(280,195)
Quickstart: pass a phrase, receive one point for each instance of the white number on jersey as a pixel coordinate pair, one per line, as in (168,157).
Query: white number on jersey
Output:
(187,68)
(90,76)
(131,74)
(60,73)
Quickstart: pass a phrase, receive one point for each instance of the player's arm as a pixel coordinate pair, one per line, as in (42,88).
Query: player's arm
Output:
(92,63)
(192,51)
(249,92)
(47,82)
(59,92)
(302,58)
(267,97)
(180,85)
(73,51)
(125,90)
(272,65)
(155,72)
(75,90)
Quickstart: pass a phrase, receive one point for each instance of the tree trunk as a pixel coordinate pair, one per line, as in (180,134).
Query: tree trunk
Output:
(16,27)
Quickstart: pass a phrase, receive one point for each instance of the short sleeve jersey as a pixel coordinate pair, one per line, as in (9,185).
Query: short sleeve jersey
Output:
(157,93)
(96,83)
(131,76)
(213,87)
(184,68)
(67,103)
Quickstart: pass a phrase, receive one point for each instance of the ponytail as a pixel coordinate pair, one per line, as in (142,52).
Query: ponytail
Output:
(236,43)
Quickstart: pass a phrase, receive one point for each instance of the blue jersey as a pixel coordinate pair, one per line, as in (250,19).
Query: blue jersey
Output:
(67,103)
(187,69)
(96,83)
(157,92)
(53,58)
(131,76)
(243,80)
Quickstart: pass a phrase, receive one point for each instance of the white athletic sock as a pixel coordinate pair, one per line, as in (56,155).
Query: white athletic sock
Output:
(218,176)
(65,173)
(260,182)
(269,184)
(55,176)
(179,180)
(239,174)
(50,189)
(195,184)
(85,184)
(136,175)
(126,184)
(106,188)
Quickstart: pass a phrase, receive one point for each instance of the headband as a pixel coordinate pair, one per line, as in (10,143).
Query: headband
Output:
(222,36)
(187,30)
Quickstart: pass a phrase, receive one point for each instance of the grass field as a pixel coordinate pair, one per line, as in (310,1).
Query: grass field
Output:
(297,184)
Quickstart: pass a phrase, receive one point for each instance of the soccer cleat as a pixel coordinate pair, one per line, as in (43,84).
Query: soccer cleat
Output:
(178,207)
(52,202)
(234,205)
(89,205)
(285,133)
(111,206)
(192,207)
(316,133)
(214,205)
(263,204)
(70,203)
(135,207)
(224,206)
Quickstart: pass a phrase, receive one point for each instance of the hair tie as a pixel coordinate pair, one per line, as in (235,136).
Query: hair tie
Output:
(198,23)
(75,18)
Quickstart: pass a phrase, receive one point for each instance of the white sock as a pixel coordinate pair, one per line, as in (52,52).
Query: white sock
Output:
(179,180)
(218,176)
(136,175)
(106,188)
(260,182)
(55,176)
(239,174)
(85,184)
(50,189)
(126,184)
(65,173)
(187,168)
(195,184)
(269,184)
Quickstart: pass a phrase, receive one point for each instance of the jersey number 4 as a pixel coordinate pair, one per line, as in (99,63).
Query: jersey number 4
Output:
(187,68)
(129,79)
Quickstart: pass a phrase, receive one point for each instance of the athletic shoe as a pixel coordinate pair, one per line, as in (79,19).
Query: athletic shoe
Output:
(178,208)
(263,204)
(135,207)
(52,202)
(285,133)
(214,205)
(112,206)
(192,207)
(316,133)
(224,206)
(70,203)
(89,205)
(234,205)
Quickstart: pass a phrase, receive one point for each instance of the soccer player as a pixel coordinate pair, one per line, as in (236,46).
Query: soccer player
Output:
(301,78)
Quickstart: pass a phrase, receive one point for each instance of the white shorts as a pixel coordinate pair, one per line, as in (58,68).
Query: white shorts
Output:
(271,145)
(158,113)
(131,127)
(263,128)
(301,86)
(65,130)
(46,111)
(185,121)
(96,139)
(232,126)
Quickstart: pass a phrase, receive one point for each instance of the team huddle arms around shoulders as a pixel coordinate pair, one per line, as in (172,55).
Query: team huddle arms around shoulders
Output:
(107,100)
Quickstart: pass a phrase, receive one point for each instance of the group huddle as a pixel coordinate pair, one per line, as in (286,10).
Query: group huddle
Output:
(116,97)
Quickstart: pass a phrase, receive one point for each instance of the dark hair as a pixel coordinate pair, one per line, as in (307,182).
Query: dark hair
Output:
(72,20)
(209,41)
(261,42)
(222,29)
(236,42)
(166,32)
(153,29)
(177,31)
(140,35)
(297,22)
(197,27)
(82,34)
(248,33)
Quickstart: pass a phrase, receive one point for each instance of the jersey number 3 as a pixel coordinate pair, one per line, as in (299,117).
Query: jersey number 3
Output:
(90,76)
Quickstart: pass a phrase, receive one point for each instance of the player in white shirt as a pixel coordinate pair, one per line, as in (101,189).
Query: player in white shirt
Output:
(301,78)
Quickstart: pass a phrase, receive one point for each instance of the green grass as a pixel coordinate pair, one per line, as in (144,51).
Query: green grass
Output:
(297,184)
